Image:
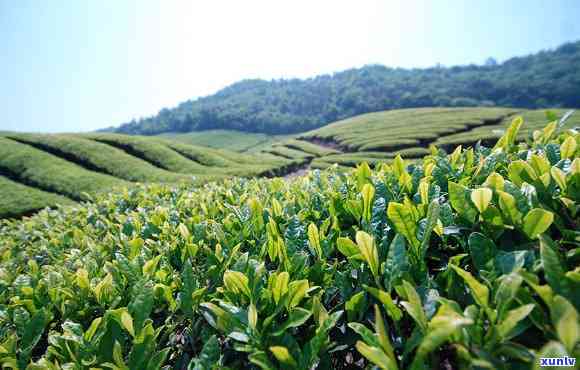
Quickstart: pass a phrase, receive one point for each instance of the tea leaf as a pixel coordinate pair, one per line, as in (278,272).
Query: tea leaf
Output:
(479,291)
(537,221)
(481,198)
(568,147)
(402,217)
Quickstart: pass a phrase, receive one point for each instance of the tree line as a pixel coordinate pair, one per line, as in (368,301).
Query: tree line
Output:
(549,78)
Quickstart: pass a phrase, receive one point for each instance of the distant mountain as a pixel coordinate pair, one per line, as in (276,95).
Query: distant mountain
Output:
(546,79)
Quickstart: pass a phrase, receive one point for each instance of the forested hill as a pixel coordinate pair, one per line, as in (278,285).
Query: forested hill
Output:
(545,79)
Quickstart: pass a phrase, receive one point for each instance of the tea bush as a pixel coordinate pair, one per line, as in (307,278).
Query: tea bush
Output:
(466,260)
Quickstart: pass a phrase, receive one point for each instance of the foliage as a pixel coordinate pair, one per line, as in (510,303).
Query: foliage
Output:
(232,140)
(394,130)
(461,260)
(39,171)
(99,157)
(42,170)
(19,200)
(545,79)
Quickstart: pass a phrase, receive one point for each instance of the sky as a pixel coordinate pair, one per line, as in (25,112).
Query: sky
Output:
(70,66)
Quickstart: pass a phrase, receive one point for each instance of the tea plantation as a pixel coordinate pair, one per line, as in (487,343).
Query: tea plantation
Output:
(37,171)
(455,261)
(381,136)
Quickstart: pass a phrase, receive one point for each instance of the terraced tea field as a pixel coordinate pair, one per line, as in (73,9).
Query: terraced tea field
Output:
(232,140)
(77,166)
(467,260)
(380,137)
(37,171)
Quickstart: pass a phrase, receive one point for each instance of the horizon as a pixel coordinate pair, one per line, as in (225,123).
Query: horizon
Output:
(148,58)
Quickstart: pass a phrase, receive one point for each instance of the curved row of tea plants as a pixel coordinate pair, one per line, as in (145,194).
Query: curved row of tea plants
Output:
(409,133)
(42,170)
(467,260)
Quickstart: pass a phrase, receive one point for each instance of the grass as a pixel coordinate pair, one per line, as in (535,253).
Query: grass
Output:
(20,200)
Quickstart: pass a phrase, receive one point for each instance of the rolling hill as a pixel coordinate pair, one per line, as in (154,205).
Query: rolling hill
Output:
(545,79)
(380,136)
(461,260)
(45,170)
(238,141)
(38,171)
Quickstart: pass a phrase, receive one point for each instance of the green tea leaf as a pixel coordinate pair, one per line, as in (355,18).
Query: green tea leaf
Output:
(513,317)
(296,317)
(481,198)
(568,147)
(283,355)
(553,266)
(368,192)
(236,282)
(127,322)
(280,285)
(150,267)
(508,206)
(520,172)
(383,335)
(385,298)
(432,217)
(536,222)
(314,240)
(494,181)
(259,358)
(33,330)
(479,291)
(82,279)
(368,249)
(413,306)
(252,316)
(559,177)
(404,222)
(566,320)
(347,247)
(367,335)
(296,291)
(460,199)
(440,330)
(506,292)
(376,356)
(355,305)
(483,251)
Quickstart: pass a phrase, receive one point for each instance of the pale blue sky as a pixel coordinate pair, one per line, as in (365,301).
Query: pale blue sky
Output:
(69,65)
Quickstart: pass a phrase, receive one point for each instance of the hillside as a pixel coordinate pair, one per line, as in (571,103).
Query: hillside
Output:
(546,79)
(37,171)
(468,260)
(43,170)
(379,137)
(238,141)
